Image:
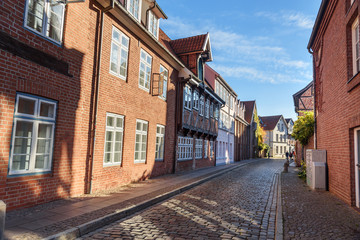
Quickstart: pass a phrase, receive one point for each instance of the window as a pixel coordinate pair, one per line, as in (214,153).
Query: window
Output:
(278,126)
(198,148)
(165,74)
(201,69)
(281,138)
(355,47)
(277,149)
(211,149)
(160,133)
(153,24)
(113,139)
(207,106)
(140,141)
(185,148)
(202,99)
(32,135)
(216,112)
(277,137)
(211,110)
(133,6)
(280,149)
(206,143)
(45,18)
(187,97)
(119,53)
(145,70)
(196,100)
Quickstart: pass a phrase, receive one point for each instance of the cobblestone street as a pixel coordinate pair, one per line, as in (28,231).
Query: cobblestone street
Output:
(237,205)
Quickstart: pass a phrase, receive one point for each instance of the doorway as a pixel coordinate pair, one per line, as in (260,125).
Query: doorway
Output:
(357,166)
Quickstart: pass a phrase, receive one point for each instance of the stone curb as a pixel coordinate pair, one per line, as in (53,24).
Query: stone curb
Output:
(93,225)
(279,234)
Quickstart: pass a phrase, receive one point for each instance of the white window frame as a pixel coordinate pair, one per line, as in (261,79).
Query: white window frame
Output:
(207,108)
(355,46)
(206,143)
(154,27)
(211,149)
(357,161)
(159,145)
(139,9)
(114,129)
(198,148)
(121,47)
(165,81)
(185,148)
(211,110)
(141,133)
(147,65)
(45,21)
(36,120)
(196,99)
(187,97)
(201,105)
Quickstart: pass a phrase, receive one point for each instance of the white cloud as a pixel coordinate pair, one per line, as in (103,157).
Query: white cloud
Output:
(289,18)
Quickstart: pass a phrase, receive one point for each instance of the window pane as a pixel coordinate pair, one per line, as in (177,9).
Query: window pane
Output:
(109,136)
(22,146)
(24,129)
(42,162)
(138,126)
(125,42)
(114,58)
(119,122)
(43,146)
(35,14)
(117,157)
(55,21)
(47,110)
(26,106)
(110,121)
(108,147)
(116,36)
(45,130)
(20,162)
(145,125)
(117,146)
(107,157)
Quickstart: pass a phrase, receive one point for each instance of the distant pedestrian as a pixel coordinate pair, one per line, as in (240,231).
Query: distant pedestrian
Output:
(291,156)
(287,155)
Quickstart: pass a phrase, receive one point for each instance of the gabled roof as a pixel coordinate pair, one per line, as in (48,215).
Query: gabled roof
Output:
(190,44)
(288,120)
(249,110)
(269,122)
(297,95)
(317,23)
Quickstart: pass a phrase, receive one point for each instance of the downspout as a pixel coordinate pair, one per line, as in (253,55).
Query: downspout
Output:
(314,107)
(96,100)
(176,123)
(147,11)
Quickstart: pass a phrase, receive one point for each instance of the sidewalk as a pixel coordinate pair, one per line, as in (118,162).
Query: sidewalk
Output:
(309,214)
(81,215)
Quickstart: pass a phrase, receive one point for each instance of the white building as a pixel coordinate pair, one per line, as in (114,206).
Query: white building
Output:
(276,129)
(291,140)
(225,139)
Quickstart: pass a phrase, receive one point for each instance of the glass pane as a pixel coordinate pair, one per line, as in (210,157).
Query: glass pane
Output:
(143,155)
(143,147)
(143,139)
(47,110)
(24,129)
(45,130)
(143,55)
(108,146)
(117,157)
(137,146)
(125,42)
(119,122)
(22,146)
(116,35)
(20,162)
(148,60)
(114,58)
(145,125)
(110,121)
(43,146)
(117,147)
(109,136)
(35,14)
(107,158)
(26,106)
(138,137)
(55,22)
(118,136)
(136,155)
(40,161)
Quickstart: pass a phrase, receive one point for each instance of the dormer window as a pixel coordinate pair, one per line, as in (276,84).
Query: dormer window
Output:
(153,24)
(201,69)
(133,6)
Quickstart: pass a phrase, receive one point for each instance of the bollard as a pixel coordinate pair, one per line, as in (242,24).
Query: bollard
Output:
(286,166)
(2,219)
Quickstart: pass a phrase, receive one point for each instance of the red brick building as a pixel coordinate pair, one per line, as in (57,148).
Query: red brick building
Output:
(334,44)
(88,108)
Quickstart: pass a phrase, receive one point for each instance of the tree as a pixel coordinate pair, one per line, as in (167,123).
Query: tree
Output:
(304,128)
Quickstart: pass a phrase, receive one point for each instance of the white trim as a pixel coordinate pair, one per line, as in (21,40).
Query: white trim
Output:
(355,26)
(146,65)
(141,133)
(161,136)
(139,9)
(114,129)
(167,80)
(185,148)
(152,15)
(191,97)
(119,54)
(357,169)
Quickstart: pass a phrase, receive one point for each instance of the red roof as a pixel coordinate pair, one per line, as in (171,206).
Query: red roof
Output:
(249,110)
(165,41)
(210,75)
(269,122)
(190,44)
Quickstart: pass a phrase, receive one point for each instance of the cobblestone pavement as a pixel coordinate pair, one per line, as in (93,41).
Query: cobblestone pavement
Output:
(237,205)
(311,214)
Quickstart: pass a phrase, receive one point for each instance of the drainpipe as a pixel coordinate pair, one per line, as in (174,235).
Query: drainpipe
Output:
(96,100)
(314,106)
(147,11)
(176,123)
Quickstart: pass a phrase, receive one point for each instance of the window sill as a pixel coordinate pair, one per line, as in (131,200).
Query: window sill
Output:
(184,160)
(27,176)
(117,75)
(59,44)
(145,89)
(353,82)
(140,162)
(112,164)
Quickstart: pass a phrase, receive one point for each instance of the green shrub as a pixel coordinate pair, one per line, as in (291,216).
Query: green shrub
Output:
(302,173)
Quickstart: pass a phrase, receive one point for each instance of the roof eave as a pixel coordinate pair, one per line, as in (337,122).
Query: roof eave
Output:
(318,20)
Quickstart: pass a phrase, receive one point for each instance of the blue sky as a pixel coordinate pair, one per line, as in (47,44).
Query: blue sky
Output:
(258,46)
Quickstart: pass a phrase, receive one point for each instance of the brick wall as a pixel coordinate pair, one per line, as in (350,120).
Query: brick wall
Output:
(338,102)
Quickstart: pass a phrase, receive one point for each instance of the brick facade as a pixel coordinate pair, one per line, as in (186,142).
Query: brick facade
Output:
(337,93)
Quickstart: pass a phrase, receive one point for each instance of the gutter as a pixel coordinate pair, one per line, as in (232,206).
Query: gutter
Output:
(318,20)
